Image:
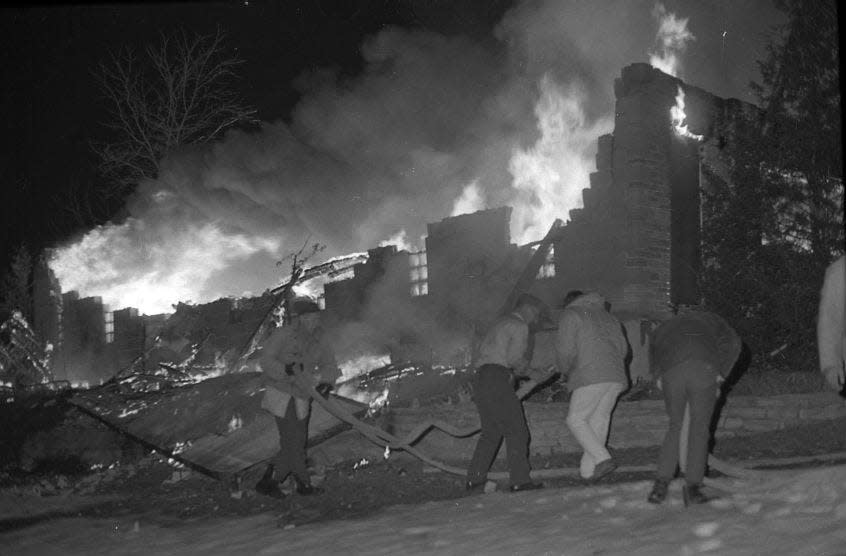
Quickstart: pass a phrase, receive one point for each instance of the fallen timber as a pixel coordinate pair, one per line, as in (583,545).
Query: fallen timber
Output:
(215,426)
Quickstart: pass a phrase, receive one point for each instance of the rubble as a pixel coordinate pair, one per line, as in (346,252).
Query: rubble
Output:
(215,425)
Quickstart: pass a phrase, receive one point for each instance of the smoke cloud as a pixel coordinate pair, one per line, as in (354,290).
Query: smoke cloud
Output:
(432,126)
(670,41)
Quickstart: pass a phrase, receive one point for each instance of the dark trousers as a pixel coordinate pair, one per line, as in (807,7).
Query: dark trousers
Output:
(501,414)
(695,384)
(293,435)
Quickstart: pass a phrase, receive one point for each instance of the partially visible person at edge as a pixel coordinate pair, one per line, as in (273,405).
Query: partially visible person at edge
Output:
(831,332)
(502,355)
(299,347)
(591,350)
(690,354)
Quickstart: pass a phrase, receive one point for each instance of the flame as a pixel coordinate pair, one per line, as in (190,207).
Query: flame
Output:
(376,404)
(401,241)
(469,201)
(311,288)
(235,423)
(671,40)
(127,269)
(362,364)
(551,174)
(678,117)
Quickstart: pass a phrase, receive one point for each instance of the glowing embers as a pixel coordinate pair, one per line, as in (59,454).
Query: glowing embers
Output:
(363,364)
(377,404)
(679,118)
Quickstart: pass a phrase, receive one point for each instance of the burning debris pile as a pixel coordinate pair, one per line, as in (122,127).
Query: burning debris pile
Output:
(24,360)
(407,383)
(216,425)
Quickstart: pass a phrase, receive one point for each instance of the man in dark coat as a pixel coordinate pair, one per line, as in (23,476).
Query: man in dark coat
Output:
(299,348)
(503,354)
(690,355)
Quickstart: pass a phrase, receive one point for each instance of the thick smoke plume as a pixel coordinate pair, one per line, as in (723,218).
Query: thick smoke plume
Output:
(433,126)
(670,41)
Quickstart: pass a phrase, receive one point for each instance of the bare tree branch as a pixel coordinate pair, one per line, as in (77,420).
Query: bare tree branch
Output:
(180,92)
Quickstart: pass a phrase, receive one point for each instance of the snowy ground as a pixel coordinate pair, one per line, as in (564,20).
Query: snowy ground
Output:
(791,513)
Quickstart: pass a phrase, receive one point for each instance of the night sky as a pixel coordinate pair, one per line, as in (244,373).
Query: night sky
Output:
(378,116)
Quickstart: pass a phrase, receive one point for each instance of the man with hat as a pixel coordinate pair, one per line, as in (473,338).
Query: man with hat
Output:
(502,355)
(296,349)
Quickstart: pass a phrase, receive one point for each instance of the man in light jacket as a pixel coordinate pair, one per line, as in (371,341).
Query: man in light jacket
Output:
(591,350)
(831,333)
(299,348)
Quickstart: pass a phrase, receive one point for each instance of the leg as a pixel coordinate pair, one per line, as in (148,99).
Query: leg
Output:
(281,461)
(684,436)
(293,435)
(516,433)
(702,397)
(600,419)
(583,403)
(674,402)
(484,395)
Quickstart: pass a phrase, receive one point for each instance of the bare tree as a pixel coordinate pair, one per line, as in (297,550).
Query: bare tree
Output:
(180,92)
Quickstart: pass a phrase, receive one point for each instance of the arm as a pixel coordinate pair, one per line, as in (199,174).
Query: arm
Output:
(518,345)
(830,323)
(730,345)
(327,365)
(271,364)
(654,367)
(565,342)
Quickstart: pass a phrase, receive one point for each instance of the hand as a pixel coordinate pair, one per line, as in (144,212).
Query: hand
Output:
(324,388)
(659,384)
(836,376)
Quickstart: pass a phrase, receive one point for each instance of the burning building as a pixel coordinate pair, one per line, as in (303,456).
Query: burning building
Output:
(636,239)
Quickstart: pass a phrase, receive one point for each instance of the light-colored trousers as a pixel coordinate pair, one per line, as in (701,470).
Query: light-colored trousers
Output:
(589,418)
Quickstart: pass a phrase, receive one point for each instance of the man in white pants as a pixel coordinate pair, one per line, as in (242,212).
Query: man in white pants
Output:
(591,350)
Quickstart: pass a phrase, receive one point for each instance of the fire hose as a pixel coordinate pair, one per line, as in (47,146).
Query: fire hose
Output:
(383,438)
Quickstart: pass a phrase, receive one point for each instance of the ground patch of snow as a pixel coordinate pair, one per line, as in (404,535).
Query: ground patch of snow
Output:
(788,513)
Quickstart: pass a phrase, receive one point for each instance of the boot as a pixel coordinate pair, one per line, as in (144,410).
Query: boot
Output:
(475,487)
(305,488)
(525,486)
(692,494)
(269,486)
(659,491)
(603,468)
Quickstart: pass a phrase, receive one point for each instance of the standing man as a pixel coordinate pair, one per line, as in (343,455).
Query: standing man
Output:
(831,333)
(691,354)
(298,349)
(591,349)
(502,354)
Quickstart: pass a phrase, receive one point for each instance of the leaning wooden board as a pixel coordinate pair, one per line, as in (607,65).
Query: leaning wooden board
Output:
(216,425)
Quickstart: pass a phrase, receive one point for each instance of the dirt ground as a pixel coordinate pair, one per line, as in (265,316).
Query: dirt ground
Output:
(168,495)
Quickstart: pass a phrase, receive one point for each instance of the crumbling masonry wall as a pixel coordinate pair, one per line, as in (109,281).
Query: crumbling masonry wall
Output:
(637,238)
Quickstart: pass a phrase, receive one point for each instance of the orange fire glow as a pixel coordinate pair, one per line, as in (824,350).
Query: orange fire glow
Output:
(549,176)
(678,118)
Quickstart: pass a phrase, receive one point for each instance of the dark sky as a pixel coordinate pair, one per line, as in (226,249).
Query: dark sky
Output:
(379,116)
(52,106)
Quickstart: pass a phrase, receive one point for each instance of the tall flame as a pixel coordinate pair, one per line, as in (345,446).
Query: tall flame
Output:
(176,269)
(469,201)
(550,175)
(678,117)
